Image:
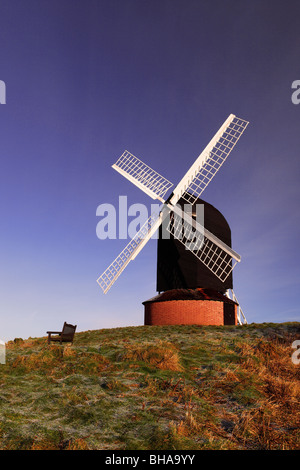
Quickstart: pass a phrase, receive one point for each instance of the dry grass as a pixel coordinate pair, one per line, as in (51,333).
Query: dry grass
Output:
(274,423)
(59,361)
(160,355)
(181,387)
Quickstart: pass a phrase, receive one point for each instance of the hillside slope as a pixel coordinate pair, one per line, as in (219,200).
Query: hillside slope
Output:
(154,387)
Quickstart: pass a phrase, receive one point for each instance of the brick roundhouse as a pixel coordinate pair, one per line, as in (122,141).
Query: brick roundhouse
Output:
(190,307)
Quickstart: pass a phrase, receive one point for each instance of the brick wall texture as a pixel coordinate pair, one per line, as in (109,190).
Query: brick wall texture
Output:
(190,312)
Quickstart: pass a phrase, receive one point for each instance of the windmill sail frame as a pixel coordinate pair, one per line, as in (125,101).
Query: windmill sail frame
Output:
(209,161)
(131,250)
(211,251)
(218,257)
(142,175)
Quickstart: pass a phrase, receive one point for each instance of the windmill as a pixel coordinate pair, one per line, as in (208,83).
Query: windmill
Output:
(209,251)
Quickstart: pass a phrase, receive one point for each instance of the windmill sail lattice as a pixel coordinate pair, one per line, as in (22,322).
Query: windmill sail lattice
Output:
(209,161)
(140,174)
(111,274)
(211,251)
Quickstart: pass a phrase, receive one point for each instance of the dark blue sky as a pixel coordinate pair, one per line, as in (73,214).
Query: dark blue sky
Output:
(86,80)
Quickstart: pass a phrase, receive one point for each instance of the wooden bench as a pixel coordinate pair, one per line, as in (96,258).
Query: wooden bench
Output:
(64,336)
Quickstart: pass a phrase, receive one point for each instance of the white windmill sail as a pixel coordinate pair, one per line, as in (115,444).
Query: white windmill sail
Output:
(209,161)
(111,274)
(140,174)
(209,249)
(215,254)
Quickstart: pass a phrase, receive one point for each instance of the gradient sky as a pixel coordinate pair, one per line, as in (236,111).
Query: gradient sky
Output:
(87,79)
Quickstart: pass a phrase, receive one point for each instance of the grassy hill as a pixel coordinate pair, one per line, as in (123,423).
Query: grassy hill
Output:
(151,387)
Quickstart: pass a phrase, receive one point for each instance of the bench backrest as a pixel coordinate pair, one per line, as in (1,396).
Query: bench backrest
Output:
(68,331)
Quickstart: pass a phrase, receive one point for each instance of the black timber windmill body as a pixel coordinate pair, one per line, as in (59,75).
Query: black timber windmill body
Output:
(206,263)
(178,268)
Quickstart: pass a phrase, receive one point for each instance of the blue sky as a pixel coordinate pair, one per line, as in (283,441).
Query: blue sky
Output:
(86,80)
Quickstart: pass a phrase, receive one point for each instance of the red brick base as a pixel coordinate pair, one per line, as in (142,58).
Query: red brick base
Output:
(190,312)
